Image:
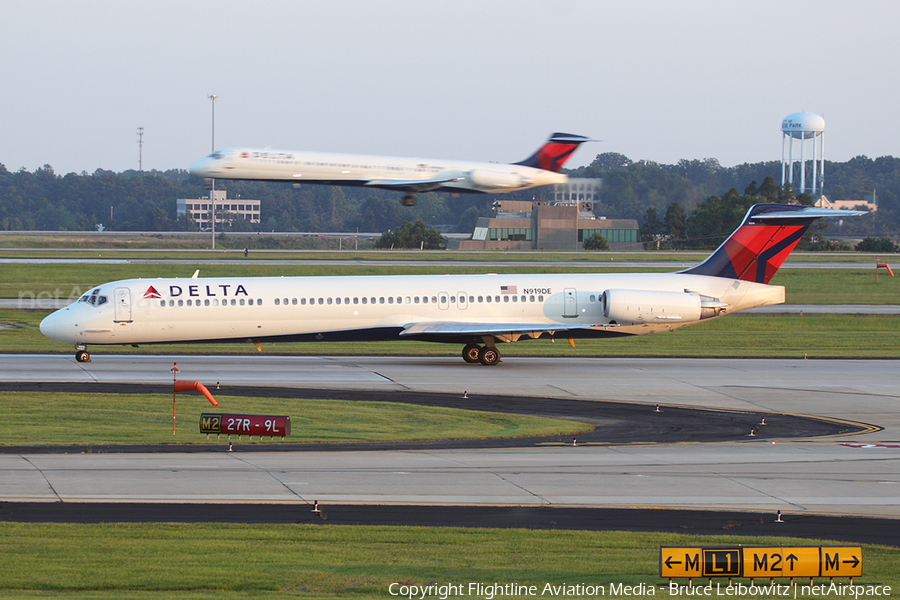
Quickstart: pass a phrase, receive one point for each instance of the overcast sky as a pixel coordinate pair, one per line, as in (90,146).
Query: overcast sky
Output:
(477,80)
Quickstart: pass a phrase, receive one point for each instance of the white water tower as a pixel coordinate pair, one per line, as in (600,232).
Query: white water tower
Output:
(803,127)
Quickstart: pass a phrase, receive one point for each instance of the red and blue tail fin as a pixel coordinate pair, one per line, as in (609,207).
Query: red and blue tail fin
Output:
(555,152)
(765,238)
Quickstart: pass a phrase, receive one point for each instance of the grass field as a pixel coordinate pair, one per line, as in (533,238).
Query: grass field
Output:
(224,561)
(52,419)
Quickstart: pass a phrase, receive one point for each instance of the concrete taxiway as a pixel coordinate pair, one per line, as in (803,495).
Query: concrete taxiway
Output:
(859,474)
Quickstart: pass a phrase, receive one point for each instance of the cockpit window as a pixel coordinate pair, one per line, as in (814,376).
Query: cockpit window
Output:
(94,298)
(216,155)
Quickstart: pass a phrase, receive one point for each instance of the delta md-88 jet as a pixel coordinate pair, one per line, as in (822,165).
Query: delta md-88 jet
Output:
(475,311)
(407,175)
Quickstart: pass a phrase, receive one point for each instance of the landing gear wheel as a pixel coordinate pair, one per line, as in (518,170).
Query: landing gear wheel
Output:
(489,356)
(472,353)
(409,200)
(82,356)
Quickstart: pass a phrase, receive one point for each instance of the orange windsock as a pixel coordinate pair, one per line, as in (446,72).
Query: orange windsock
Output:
(186,386)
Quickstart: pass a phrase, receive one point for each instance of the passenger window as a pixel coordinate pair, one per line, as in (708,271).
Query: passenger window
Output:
(338,300)
(321,301)
(416,299)
(496,298)
(259,301)
(408,300)
(531,298)
(515,298)
(355,300)
(452,299)
(506,298)
(434,299)
(481,298)
(161,302)
(391,300)
(424,299)
(471,298)
(381,301)
(372,301)
(242,301)
(364,299)
(206,302)
(277,301)
(346,300)
(233,302)
(250,301)
(329,300)
(189,303)
(488,298)
(592,298)
(181,303)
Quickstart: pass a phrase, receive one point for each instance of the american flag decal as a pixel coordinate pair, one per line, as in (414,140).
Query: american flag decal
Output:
(508,289)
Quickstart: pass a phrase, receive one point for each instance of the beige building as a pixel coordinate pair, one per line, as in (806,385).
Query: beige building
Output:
(868,204)
(226,210)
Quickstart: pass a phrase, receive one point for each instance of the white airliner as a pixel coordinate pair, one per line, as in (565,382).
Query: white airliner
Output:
(477,311)
(409,175)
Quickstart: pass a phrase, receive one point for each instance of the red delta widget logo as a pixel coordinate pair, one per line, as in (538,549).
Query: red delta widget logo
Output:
(195,291)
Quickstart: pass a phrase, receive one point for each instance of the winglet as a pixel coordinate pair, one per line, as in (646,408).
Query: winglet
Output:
(555,152)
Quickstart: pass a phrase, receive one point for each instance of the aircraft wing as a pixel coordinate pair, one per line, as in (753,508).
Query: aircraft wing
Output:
(412,185)
(509,332)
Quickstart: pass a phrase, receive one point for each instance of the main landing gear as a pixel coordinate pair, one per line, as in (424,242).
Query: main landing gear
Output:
(81,353)
(486,355)
(409,200)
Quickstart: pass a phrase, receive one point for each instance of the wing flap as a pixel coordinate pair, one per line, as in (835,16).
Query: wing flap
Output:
(532,330)
(412,185)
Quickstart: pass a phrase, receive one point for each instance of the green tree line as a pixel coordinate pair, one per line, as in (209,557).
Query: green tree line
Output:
(145,201)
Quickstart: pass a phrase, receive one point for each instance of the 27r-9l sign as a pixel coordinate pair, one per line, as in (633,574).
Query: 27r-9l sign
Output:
(245,424)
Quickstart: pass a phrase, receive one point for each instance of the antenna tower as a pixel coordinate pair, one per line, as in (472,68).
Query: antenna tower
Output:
(140,133)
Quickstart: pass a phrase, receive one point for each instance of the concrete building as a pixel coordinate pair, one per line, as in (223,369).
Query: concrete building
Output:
(581,191)
(528,225)
(226,210)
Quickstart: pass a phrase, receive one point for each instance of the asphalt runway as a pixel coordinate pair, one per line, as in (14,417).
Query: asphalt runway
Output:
(856,474)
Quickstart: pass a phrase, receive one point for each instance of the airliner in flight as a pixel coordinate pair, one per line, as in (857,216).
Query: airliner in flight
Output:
(475,311)
(408,175)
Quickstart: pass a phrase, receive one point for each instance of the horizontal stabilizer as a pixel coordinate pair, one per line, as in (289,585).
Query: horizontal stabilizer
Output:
(765,238)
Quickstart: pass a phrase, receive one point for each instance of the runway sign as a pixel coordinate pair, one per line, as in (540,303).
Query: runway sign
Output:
(761,561)
(245,424)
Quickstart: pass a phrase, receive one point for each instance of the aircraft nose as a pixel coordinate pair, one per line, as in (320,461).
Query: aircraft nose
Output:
(53,326)
(200,168)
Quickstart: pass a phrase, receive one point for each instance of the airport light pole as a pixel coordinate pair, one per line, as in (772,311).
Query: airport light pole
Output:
(212,189)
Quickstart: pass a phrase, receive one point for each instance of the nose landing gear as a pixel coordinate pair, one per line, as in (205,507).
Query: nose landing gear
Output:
(81,353)
(409,200)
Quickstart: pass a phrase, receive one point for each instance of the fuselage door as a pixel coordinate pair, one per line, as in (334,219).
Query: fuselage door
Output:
(123,305)
(570,303)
